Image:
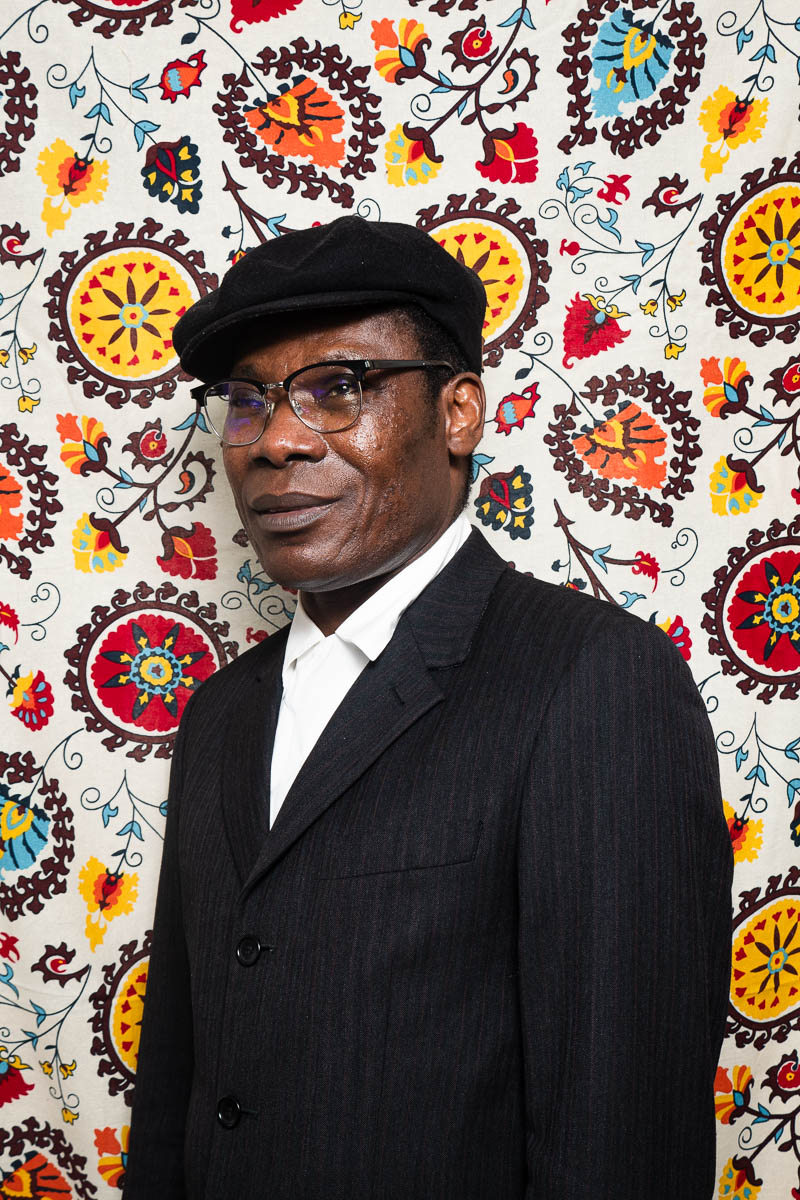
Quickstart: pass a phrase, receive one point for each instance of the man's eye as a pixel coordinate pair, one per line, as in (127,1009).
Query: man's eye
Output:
(243,402)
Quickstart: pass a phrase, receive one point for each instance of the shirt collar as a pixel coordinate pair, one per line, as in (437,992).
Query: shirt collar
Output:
(371,626)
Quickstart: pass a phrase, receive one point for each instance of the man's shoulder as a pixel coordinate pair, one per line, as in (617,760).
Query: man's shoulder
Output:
(554,619)
(254,665)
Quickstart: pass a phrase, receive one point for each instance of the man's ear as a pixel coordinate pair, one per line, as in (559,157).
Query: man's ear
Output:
(465,413)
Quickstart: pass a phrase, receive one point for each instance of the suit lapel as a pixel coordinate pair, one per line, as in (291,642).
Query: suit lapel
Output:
(250,722)
(389,695)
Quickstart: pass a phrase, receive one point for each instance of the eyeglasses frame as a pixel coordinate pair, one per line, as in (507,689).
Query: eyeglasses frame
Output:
(359,367)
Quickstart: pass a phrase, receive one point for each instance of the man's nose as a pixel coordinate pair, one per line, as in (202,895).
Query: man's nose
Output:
(285,437)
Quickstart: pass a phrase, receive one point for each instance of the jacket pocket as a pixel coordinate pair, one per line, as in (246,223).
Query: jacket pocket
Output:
(388,851)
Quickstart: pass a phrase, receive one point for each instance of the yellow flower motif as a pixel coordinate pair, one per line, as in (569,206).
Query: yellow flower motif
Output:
(4,356)
(733,1184)
(745,835)
(406,161)
(730,494)
(728,123)
(26,353)
(676,301)
(27,403)
(598,303)
(673,349)
(347,20)
(74,180)
(13,1060)
(107,895)
(67,1069)
(650,308)
(93,549)
(69,1116)
(47,1067)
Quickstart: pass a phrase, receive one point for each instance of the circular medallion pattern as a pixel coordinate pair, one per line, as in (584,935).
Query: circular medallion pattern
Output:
(123,308)
(752,255)
(753,612)
(765,973)
(118,1004)
(115,306)
(503,250)
(138,661)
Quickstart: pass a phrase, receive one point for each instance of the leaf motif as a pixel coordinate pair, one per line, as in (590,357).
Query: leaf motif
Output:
(75,94)
(742,38)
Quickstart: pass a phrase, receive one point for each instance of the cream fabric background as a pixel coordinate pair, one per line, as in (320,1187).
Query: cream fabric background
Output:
(626,180)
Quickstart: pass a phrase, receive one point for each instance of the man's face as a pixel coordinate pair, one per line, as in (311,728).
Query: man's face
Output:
(326,512)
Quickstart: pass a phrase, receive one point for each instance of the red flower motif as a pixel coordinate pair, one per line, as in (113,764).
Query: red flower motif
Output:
(9,617)
(790,380)
(264,10)
(514,409)
(477,41)
(190,553)
(146,670)
(590,327)
(148,446)
(784,1078)
(615,189)
(180,75)
(12,1083)
(646,565)
(678,634)
(765,612)
(8,946)
(510,157)
(31,700)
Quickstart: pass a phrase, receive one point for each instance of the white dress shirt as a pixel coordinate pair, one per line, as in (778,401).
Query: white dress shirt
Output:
(318,671)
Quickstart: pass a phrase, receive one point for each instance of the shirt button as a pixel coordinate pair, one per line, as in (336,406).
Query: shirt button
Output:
(248,950)
(229,1112)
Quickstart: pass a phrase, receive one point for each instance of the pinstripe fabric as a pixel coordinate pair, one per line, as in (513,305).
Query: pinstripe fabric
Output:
(497,901)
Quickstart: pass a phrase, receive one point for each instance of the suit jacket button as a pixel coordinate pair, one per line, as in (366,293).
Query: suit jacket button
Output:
(229,1112)
(248,950)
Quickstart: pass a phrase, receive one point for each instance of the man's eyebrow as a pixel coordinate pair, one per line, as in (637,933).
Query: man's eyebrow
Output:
(249,370)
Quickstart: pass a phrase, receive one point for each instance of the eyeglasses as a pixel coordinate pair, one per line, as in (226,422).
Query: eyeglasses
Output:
(326,396)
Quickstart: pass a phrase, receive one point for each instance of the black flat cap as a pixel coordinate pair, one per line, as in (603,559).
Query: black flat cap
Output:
(350,262)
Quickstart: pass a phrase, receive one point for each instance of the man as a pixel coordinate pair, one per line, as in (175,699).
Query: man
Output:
(445,898)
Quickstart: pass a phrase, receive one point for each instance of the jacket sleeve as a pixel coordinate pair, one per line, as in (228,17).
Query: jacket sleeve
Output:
(165,1061)
(624,946)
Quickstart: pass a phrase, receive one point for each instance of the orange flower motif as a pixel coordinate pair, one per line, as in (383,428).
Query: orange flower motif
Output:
(628,445)
(108,894)
(112,1154)
(10,499)
(728,123)
(731,1096)
(83,446)
(397,56)
(74,180)
(726,387)
(302,121)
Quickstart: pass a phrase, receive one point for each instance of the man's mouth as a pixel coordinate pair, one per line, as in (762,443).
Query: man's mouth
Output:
(284,512)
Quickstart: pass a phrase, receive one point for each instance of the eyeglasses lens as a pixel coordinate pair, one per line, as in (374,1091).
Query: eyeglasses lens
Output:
(236,412)
(325,398)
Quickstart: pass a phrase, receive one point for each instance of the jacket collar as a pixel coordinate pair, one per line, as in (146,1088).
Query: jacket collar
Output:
(392,693)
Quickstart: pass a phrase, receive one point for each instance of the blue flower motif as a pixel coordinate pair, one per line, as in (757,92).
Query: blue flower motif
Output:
(630,59)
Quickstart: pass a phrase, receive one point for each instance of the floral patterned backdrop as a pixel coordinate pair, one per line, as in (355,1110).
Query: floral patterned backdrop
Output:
(625,178)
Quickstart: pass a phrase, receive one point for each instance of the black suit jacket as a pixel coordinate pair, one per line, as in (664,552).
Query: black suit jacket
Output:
(483,952)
